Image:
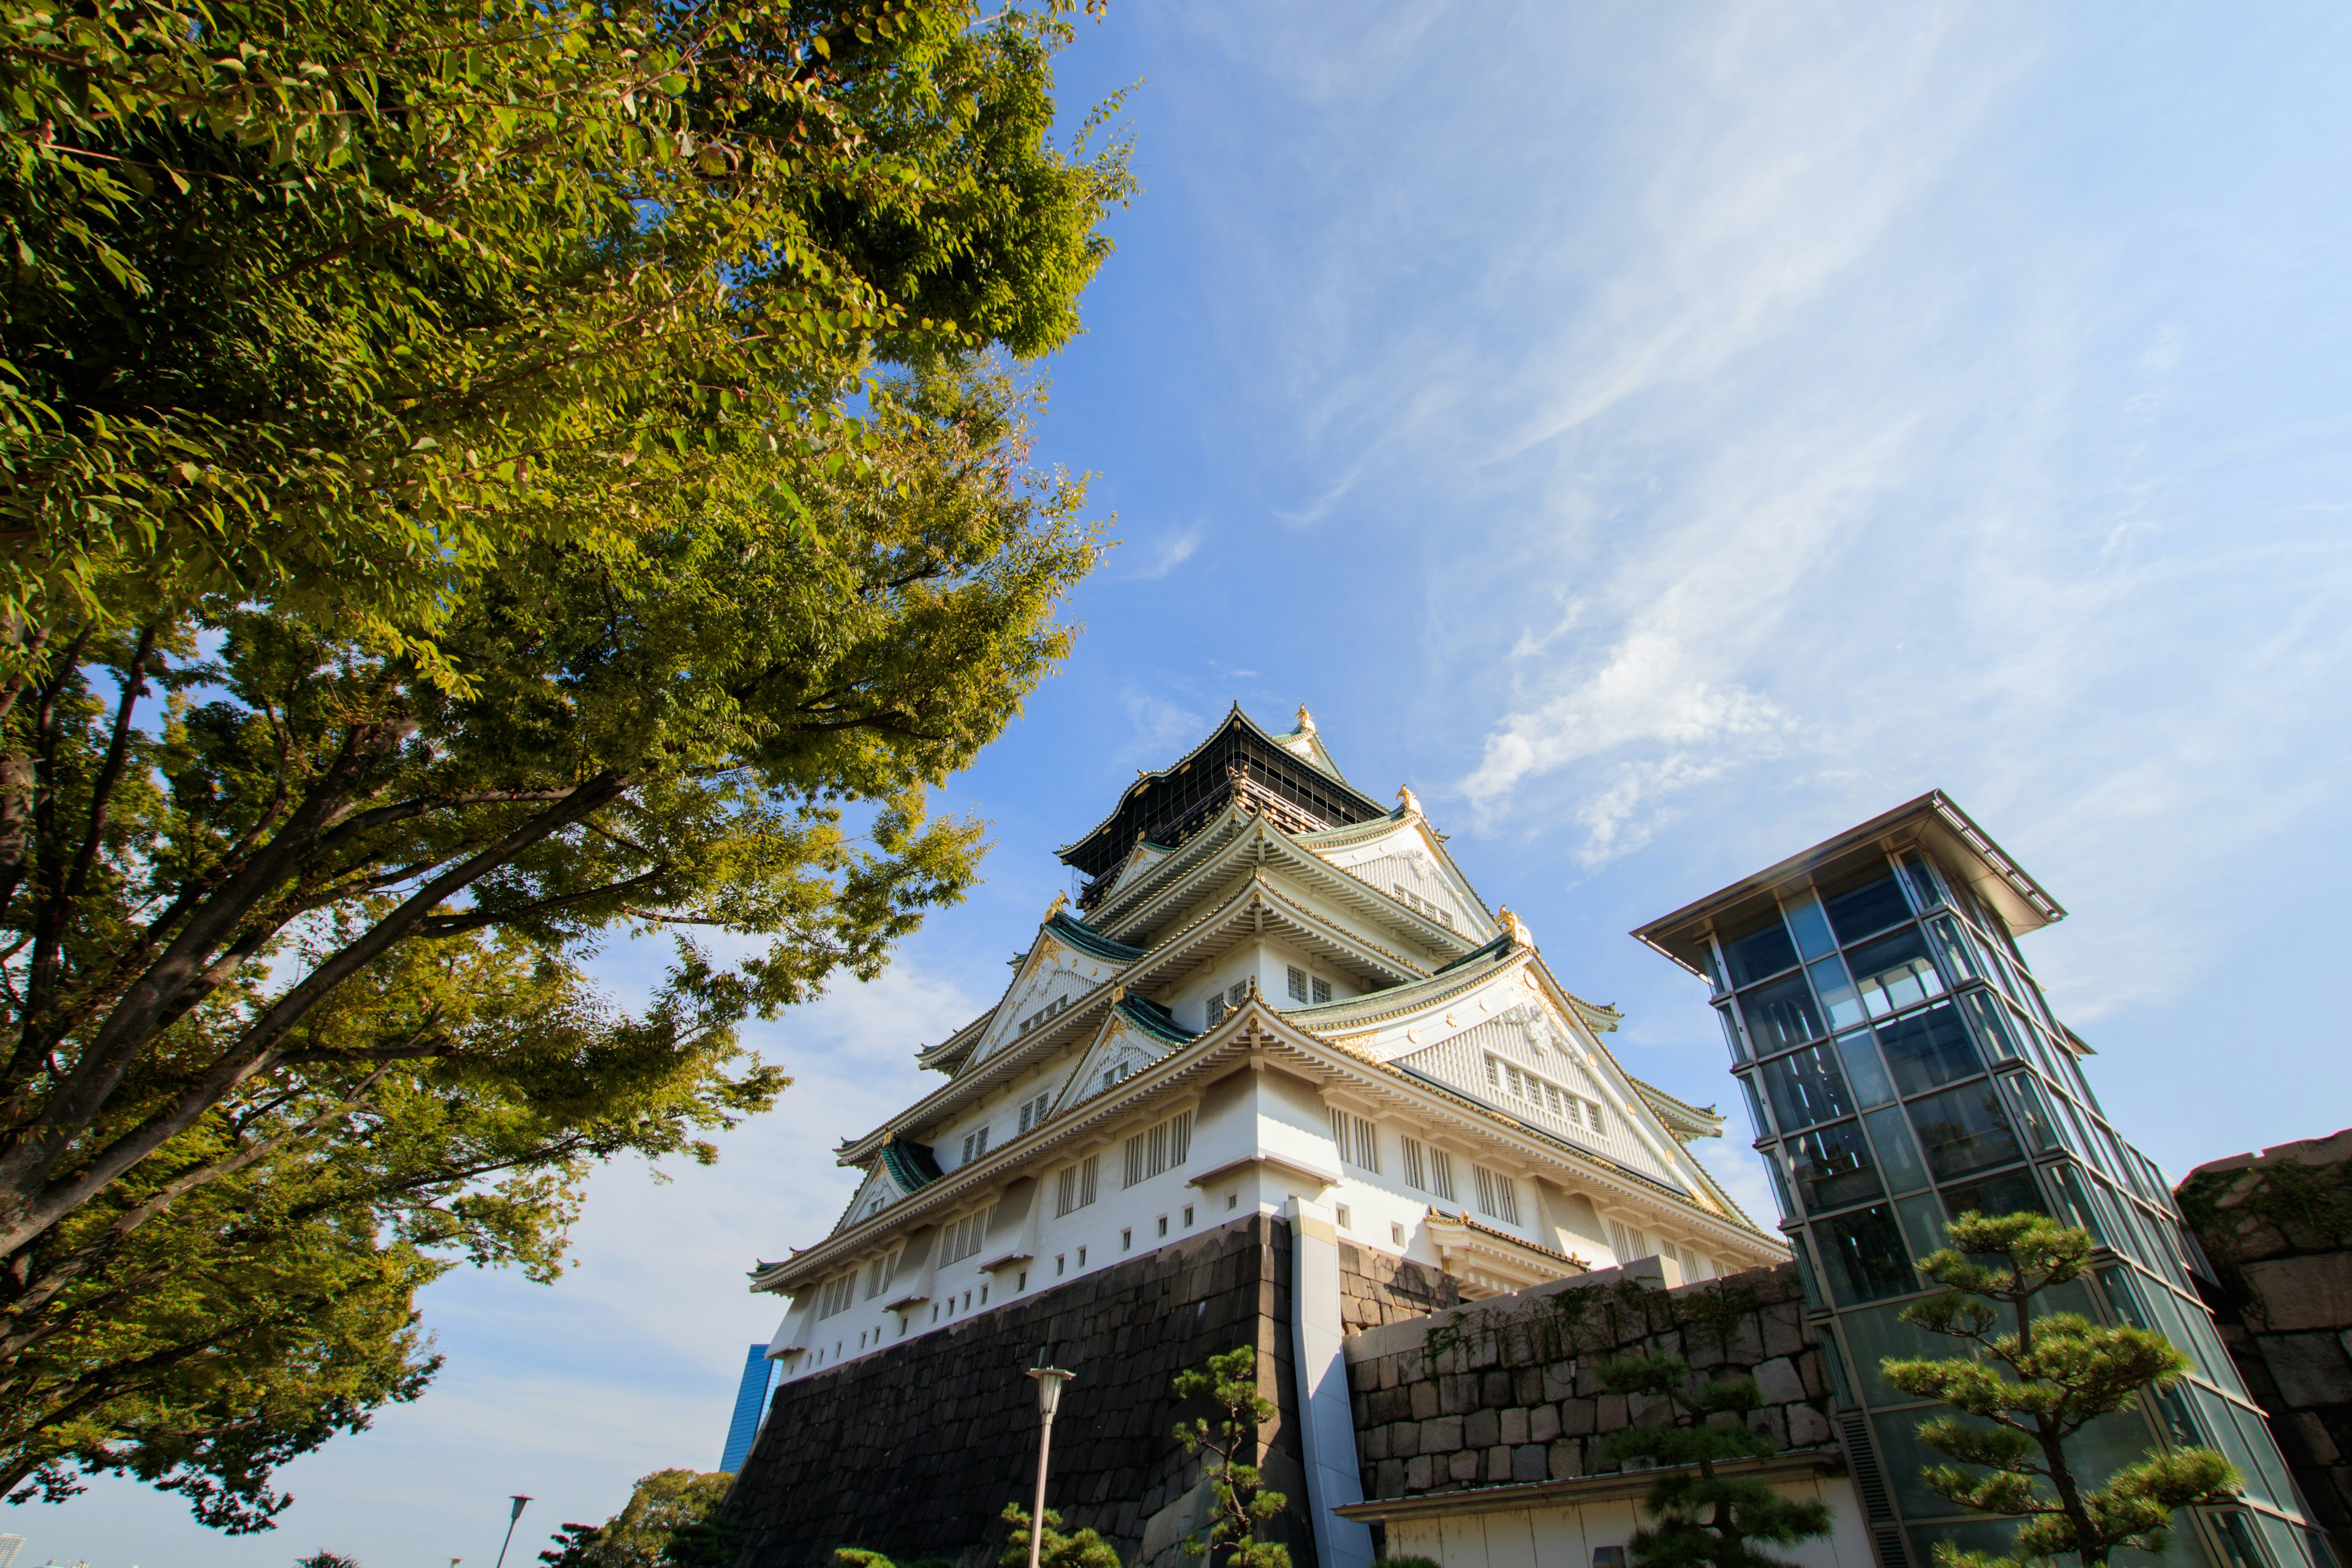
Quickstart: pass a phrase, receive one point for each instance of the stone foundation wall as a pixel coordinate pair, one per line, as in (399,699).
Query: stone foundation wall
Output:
(2277,1227)
(1507,1389)
(1376,1290)
(915,1451)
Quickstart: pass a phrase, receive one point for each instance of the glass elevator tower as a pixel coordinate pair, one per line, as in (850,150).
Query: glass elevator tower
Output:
(1901,1067)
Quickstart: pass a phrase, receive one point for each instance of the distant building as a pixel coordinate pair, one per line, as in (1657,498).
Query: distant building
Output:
(1902,1067)
(9,1546)
(751,1405)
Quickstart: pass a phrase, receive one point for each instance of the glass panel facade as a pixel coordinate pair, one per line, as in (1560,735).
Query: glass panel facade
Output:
(1964,1129)
(1759,954)
(1865,1257)
(1832,1168)
(1781,1014)
(1929,1049)
(1806,1088)
(1867,910)
(1876,1138)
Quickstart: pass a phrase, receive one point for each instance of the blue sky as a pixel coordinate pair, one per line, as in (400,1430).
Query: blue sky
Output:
(1662,436)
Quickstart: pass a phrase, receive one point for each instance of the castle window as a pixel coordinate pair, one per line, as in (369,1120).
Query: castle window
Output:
(1188,1214)
(1498,1195)
(836,1296)
(1416,1173)
(1164,1225)
(879,1275)
(1396,1234)
(1126,1240)
(1627,1241)
(1441,1174)
(1297,983)
(964,1237)
(975,1145)
(1158,1148)
(1216,1010)
(1075,1188)
(1322,989)
(1358,1141)
(1347,1220)
(1033,1111)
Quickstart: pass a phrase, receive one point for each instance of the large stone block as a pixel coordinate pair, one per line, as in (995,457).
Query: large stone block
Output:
(1514,1426)
(2311,1369)
(1482,1428)
(1777,1382)
(2293,1294)
(1441,1436)
(1543,1423)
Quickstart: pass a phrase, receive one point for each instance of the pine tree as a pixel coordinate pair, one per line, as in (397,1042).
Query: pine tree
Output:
(1700,1517)
(1084,1550)
(2027,1388)
(1244,1505)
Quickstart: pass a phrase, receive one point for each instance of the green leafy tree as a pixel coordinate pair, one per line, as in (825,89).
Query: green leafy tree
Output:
(1055,1548)
(1698,1515)
(327,1560)
(338,305)
(664,1524)
(2031,1381)
(1242,1504)
(293,969)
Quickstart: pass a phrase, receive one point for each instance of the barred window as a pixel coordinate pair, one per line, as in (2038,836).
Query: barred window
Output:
(836,1295)
(1216,1013)
(1627,1241)
(1235,992)
(1322,989)
(975,1145)
(1416,1173)
(1158,1148)
(1498,1195)
(1297,978)
(1033,1111)
(1360,1143)
(879,1275)
(964,1237)
(1441,1174)
(1074,1189)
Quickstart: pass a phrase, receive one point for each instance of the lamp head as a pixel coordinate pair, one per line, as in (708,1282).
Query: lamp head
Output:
(1049,1388)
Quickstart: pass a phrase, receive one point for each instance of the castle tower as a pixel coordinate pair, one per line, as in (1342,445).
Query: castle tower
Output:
(1902,1067)
(1272,989)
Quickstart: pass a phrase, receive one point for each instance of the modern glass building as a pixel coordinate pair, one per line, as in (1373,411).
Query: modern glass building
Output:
(1901,1067)
(751,1407)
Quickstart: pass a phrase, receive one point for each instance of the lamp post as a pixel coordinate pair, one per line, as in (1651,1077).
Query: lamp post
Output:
(1049,1398)
(511,1517)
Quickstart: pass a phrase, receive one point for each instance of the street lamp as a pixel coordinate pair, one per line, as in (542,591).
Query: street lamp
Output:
(1049,1399)
(517,1514)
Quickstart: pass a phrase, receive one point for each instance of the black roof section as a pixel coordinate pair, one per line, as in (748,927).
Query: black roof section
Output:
(1166,807)
(911,1164)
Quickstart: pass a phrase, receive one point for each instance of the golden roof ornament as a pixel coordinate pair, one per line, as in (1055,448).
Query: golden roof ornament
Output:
(1520,935)
(1408,802)
(1056,907)
(1306,720)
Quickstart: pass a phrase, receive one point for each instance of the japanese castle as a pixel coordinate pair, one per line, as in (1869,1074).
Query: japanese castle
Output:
(1272,989)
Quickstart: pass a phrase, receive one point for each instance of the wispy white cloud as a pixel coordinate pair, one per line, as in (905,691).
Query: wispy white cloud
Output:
(1166,553)
(1158,730)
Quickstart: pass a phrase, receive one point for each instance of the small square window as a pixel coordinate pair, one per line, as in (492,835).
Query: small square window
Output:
(1235,992)
(1347,1220)
(1298,983)
(1396,1233)
(1126,1240)
(1164,1225)
(1188,1213)
(1060,1262)
(1082,1258)
(1232,1201)
(1322,990)
(1020,1280)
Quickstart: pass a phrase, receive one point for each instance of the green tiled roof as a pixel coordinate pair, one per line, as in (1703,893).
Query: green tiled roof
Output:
(910,1164)
(1085,938)
(1153,1019)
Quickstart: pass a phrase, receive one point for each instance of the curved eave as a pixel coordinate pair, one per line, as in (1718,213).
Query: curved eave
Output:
(1263,846)
(1684,1119)
(1257,1031)
(1233,716)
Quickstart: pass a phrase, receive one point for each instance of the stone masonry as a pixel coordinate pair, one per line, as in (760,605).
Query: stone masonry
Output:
(915,1452)
(2277,1227)
(1376,1289)
(1507,1389)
